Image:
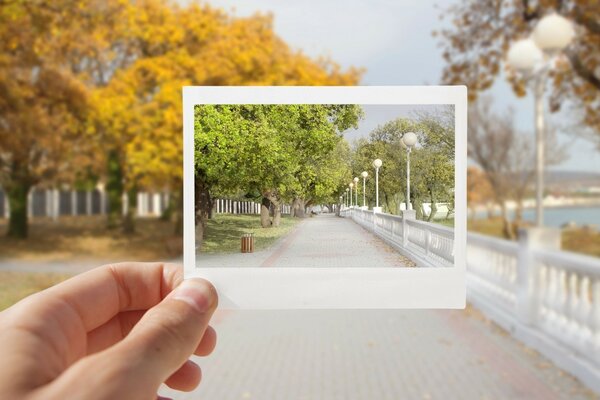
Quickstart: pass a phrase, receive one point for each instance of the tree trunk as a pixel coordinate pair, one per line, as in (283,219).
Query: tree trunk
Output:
(418,206)
(298,208)
(433,207)
(17,198)
(202,205)
(129,220)
(176,206)
(518,221)
(277,216)
(114,189)
(506,225)
(265,217)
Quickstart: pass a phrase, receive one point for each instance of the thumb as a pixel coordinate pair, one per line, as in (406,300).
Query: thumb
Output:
(169,333)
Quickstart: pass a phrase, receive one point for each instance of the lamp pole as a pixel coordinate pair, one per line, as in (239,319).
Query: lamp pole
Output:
(364,176)
(355,180)
(409,139)
(377,164)
(534,57)
(351,195)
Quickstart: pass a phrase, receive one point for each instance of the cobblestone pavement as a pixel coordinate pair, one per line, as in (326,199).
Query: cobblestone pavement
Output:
(404,354)
(321,241)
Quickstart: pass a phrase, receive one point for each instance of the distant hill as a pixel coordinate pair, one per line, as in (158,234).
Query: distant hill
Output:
(571,180)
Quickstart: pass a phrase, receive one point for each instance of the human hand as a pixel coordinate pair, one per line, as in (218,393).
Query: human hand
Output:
(115,332)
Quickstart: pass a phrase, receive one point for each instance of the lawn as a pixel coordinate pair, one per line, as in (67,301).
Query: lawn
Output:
(86,238)
(224,231)
(16,285)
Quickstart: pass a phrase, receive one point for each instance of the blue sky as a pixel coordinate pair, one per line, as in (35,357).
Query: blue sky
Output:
(392,40)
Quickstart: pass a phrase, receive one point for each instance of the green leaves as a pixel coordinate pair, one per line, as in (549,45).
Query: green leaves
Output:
(291,150)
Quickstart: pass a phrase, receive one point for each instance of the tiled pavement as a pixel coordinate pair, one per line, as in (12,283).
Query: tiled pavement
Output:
(322,241)
(348,355)
(377,354)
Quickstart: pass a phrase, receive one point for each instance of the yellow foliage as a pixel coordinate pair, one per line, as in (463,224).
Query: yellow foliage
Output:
(140,110)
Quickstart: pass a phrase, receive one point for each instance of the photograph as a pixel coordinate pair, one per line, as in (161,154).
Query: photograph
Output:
(304,197)
(324,185)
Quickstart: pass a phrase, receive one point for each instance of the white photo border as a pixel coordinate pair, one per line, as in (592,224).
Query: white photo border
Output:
(332,288)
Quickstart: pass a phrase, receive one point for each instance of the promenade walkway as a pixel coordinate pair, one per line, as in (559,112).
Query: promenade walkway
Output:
(322,241)
(377,354)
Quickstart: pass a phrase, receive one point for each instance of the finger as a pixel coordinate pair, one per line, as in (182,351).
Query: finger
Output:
(121,324)
(208,342)
(98,295)
(113,331)
(186,378)
(156,347)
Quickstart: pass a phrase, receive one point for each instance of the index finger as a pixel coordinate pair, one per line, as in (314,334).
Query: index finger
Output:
(98,295)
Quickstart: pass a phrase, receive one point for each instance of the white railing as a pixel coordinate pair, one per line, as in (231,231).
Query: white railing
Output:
(549,299)
(429,245)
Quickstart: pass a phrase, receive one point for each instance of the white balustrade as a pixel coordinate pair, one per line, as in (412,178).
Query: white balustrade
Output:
(428,244)
(556,310)
(547,298)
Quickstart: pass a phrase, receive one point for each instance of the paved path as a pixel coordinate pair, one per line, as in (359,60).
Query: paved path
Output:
(321,241)
(356,355)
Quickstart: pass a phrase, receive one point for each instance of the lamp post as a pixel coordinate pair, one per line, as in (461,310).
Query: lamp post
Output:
(534,57)
(355,180)
(364,175)
(340,203)
(377,164)
(409,139)
(347,200)
(351,195)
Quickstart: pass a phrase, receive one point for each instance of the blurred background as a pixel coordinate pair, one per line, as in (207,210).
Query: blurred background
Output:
(91,169)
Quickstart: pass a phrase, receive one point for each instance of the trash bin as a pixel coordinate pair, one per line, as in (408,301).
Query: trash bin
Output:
(248,243)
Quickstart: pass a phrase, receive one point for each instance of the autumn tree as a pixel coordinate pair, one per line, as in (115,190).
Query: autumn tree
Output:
(482,31)
(479,189)
(504,154)
(142,104)
(43,101)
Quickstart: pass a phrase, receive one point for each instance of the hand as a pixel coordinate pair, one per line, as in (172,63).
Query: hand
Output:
(116,332)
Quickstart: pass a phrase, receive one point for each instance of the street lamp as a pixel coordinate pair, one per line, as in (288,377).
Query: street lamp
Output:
(347,200)
(355,191)
(351,185)
(377,164)
(364,176)
(534,57)
(409,139)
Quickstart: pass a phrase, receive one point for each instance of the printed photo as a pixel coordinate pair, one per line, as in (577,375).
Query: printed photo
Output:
(324,185)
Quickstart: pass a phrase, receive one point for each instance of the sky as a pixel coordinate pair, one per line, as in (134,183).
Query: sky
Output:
(379,114)
(392,40)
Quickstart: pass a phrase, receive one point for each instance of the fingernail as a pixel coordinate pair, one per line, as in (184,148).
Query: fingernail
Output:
(196,292)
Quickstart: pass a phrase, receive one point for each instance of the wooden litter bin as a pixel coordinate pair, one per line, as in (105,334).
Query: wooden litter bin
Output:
(248,243)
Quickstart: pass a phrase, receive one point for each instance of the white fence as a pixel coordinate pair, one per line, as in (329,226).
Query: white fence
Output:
(229,206)
(548,299)
(429,245)
(55,203)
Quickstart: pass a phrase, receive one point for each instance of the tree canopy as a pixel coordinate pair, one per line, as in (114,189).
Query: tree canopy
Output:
(93,88)
(278,152)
